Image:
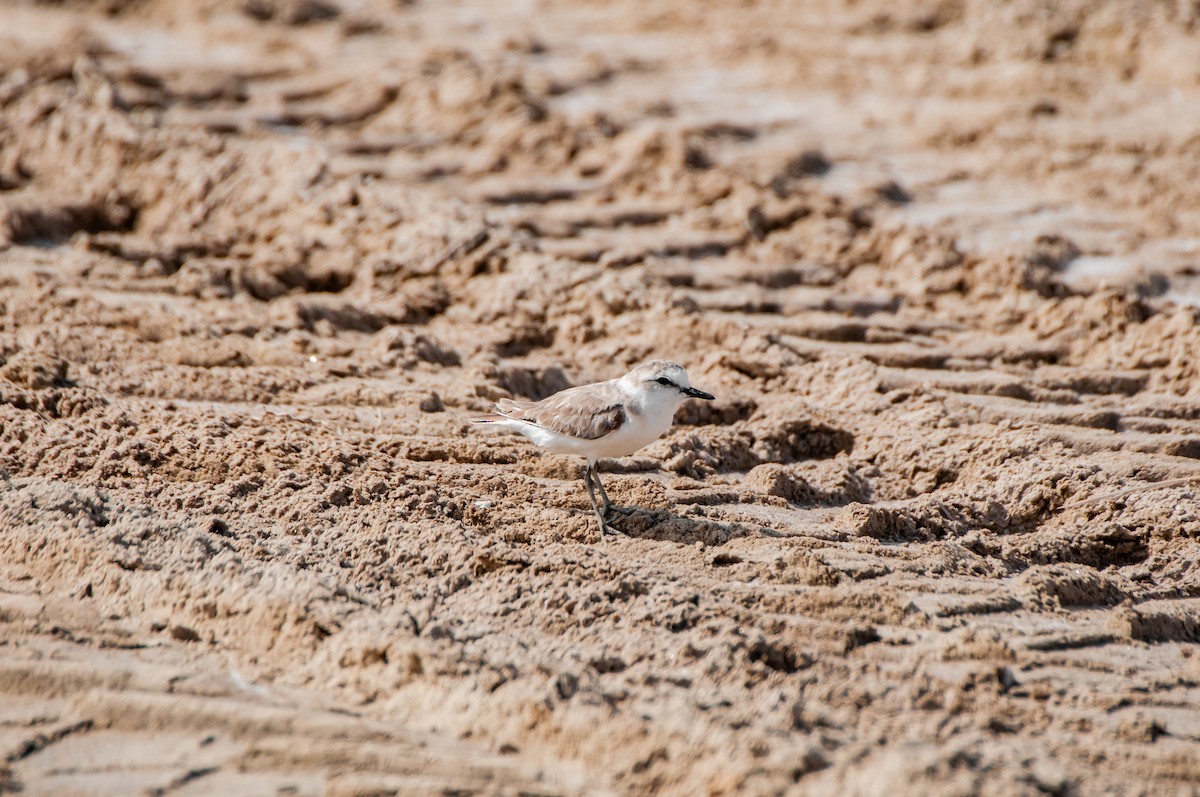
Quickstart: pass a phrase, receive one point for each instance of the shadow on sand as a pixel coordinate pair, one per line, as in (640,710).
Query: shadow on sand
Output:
(667,526)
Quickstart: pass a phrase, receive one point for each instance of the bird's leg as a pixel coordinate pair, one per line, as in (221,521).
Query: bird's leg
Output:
(609,506)
(588,472)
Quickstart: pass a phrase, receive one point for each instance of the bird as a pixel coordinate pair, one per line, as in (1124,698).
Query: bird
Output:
(602,420)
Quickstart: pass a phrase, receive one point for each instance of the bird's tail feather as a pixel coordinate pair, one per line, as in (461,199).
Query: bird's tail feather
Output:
(494,418)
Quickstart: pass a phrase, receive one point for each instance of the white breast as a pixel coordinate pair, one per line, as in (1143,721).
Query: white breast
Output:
(643,425)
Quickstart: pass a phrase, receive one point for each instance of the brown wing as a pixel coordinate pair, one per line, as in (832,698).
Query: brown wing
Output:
(580,412)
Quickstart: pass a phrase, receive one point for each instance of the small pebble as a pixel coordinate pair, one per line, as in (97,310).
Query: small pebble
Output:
(183,633)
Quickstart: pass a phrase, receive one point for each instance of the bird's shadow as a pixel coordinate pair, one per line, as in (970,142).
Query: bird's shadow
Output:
(666,526)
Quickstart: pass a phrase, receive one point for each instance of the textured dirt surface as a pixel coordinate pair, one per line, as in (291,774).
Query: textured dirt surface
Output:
(260,260)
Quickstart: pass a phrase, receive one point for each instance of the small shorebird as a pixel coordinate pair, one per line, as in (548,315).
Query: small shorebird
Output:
(606,419)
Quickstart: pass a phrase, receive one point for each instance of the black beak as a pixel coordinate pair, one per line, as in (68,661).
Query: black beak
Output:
(694,393)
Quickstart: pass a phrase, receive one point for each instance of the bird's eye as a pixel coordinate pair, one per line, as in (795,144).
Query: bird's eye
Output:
(662,380)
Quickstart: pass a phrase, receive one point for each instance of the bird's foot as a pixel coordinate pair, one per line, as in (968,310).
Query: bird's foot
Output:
(605,526)
(620,510)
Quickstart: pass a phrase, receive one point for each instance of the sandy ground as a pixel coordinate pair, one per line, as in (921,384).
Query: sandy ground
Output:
(260,260)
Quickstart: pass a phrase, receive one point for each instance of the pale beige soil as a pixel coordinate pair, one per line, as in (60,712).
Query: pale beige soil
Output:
(260,260)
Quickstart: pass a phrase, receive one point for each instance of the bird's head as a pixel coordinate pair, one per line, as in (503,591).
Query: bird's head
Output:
(663,380)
